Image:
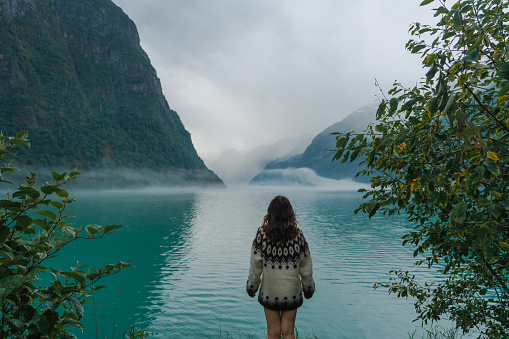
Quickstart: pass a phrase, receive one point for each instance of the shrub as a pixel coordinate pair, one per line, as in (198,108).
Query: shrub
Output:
(33,229)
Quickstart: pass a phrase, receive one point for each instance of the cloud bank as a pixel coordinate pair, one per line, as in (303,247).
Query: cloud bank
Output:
(247,73)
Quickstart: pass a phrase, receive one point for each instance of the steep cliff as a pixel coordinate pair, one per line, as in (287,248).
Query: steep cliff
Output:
(74,74)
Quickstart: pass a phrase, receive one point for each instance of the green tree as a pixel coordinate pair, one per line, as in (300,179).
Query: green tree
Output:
(440,153)
(37,301)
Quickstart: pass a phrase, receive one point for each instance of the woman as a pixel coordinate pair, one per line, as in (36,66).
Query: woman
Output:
(281,253)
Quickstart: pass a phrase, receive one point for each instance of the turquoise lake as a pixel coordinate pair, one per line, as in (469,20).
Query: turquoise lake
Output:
(191,253)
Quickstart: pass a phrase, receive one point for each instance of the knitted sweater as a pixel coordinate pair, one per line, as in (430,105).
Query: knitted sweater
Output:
(284,270)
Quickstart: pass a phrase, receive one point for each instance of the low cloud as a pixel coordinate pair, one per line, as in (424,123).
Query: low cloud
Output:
(304,177)
(246,73)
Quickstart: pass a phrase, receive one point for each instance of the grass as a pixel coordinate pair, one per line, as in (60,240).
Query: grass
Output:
(240,335)
(437,332)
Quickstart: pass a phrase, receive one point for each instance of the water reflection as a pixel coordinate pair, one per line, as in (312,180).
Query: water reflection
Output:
(211,273)
(155,225)
(191,252)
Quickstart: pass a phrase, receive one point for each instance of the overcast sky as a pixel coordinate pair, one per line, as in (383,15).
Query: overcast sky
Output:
(244,73)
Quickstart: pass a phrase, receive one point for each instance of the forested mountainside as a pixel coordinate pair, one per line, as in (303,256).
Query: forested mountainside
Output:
(73,73)
(318,155)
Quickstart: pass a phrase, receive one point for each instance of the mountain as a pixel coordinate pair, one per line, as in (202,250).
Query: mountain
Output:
(318,155)
(73,73)
(235,168)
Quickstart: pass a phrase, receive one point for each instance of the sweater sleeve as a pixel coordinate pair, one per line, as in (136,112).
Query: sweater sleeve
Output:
(256,266)
(306,270)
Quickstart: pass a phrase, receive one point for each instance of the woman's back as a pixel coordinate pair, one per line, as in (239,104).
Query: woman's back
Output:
(286,268)
(281,267)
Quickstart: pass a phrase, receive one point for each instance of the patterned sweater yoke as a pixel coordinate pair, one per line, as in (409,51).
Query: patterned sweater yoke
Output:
(281,271)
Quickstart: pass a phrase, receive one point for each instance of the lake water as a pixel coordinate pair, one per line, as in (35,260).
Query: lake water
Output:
(191,255)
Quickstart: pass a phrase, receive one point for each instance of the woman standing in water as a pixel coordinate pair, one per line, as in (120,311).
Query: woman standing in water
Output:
(281,253)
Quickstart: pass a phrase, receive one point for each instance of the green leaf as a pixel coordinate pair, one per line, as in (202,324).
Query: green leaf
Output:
(98,287)
(56,204)
(43,223)
(23,221)
(340,143)
(19,194)
(5,232)
(371,158)
(58,176)
(76,306)
(47,214)
(456,19)
(75,275)
(492,167)
(472,56)
(62,193)
(432,71)
(338,154)
(92,229)
(430,59)
(489,251)
(448,34)
(417,48)
(4,292)
(504,70)
(6,252)
(504,89)
(495,210)
(354,155)
(432,105)
(408,105)
(413,120)
(459,211)
(111,228)
(16,141)
(450,103)
(47,322)
(475,45)
(426,2)
(68,232)
(21,134)
(49,189)
(381,109)
(7,169)
(16,322)
(393,105)
(12,280)
(9,204)
(32,192)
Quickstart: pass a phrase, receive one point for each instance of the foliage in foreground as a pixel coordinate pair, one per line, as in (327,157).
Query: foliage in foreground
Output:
(38,301)
(440,153)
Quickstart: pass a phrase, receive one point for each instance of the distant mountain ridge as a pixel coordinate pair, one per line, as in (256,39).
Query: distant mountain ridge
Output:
(237,169)
(74,74)
(319,154)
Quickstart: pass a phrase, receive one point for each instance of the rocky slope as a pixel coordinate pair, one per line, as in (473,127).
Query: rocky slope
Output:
(73,73)
(318,155)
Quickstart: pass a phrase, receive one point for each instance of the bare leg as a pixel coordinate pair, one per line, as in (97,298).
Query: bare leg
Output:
(273,323)
(288,323)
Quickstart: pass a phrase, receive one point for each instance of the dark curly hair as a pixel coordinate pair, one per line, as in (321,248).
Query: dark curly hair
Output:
(280,222)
